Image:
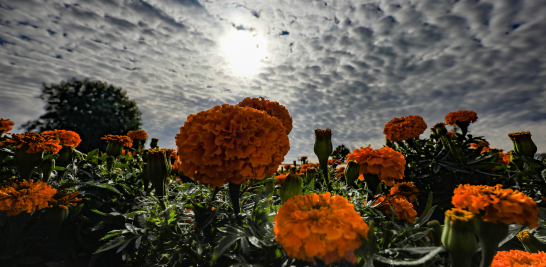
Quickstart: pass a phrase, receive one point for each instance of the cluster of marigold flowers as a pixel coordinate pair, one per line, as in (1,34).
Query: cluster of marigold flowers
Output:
(401,197)
(497,205)
(36,142)
(122,139)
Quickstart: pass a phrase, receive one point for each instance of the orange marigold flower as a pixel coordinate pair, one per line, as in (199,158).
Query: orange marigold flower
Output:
(67,138)
(5,125)
(137,135)
(272,108)
(306,166)
(504,158)
(281,178)
(406,190)
(122,139)
(332,161)
(322,226)
(123,153)
(461,116)
(404,128)
(506,206)
(519,258)
(36,142)
(231,144)
(303,158)
(404,210)
(287,166)
(451,134)
(386,162)
(63,199)
(479,143)
(25,196)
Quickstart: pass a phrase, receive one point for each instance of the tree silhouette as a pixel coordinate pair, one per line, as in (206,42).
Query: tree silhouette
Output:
(340,152)
(90,108)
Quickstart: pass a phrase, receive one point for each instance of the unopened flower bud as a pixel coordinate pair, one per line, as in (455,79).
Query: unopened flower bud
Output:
(153,143)
(114,149)
(439,129)
(310,175)
(323,145)
(65,156)
(47,167)
(458,236)
(352,171)
(523,144)
(158,167)
(291,187)
(530,242)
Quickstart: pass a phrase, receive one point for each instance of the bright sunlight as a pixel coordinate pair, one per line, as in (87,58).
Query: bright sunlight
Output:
(244,51)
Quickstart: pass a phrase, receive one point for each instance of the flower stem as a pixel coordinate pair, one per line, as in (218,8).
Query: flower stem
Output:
(234,197)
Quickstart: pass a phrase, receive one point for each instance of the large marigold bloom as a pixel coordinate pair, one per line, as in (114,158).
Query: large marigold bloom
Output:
(387,163)
(406,190)
(272,108)
(5,126)
(404,128)
(519,258)
(461,116)
(67,138)
(231,144)
(25,196)
(64,199)
(36,142)
(121,139)
(506,206)
(322,226)
(137,135)
(403,208)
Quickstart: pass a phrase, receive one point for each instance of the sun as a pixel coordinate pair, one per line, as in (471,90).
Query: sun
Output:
(244,51)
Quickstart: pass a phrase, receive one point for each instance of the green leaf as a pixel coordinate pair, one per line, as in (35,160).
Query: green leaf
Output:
(525,173)
(92,154)
(420,261)
(59,168)
(115,243)
(50,156)
(513,230)
(427,211)
(223,244)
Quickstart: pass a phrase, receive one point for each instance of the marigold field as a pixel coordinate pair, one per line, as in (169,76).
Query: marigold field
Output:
(224,197)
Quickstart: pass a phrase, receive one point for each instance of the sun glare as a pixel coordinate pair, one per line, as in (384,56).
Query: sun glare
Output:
(244,51)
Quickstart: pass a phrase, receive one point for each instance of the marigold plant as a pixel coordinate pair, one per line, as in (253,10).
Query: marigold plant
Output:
(5,125)
(385,162)
(406,190)
(122,139)
(272,108)
(231,144)
(518,258)
(67,138)
(63,199)
(404,128)
(461,116)
(25,196)
(496,204)
(403,208)
(137,135)
(322,226)
(36,142)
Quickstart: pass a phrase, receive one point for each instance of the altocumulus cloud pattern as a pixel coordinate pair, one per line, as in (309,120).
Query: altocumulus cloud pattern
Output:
(347,65)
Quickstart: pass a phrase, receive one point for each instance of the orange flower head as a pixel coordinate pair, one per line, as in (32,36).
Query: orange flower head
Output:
(459,215)
(496,205)
(36,142)
(5,125)
(25,196)
(272,108)
(406,190)
(504,158)
(404,210)
(404,128)
(387,163)
(281,178)
(479,143)
(137,135)
(331,161)
(121,139)
(519,258)
(322,226)
(303,158)
(306,166)
(519,135)
(461,116)
(287,167)
(451,134)
(231,144)
(67,138)
(64,199)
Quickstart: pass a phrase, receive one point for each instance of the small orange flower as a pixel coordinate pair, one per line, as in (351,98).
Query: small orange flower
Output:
(231,144)
(506,206)
(322,226)
(122,139)
(451,134)
(287,167)
(404,128)
(67,138)
(5,125)
(332,161)
(306,166)
(36,142)
(126,153)
(404,210)
(25,196)
(281,178)
(518,258)
(137,135)
(63,199)
(503,158)
(303,158)
(406,190)
(272,108)
(387,163)
(461,116)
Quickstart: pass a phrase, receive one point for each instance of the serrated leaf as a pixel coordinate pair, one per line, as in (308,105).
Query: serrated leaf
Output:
(92,154)
(525,173)
(115,243)
(223,244)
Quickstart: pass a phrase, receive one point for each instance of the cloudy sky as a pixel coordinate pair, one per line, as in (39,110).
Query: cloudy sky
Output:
(351,66)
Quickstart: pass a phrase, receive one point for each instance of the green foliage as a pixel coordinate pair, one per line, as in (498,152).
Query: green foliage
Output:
(90,108)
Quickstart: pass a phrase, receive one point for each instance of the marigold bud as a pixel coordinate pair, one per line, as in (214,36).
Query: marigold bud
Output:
(458,236)
(26,161)
(158,167)
(310,175)
(523,144)
(114,149)
(439,129)
(323,145)
(291,187)
(436,232)
(352,172)
(47,167)
(65,156)
(153,143)
(530,242)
